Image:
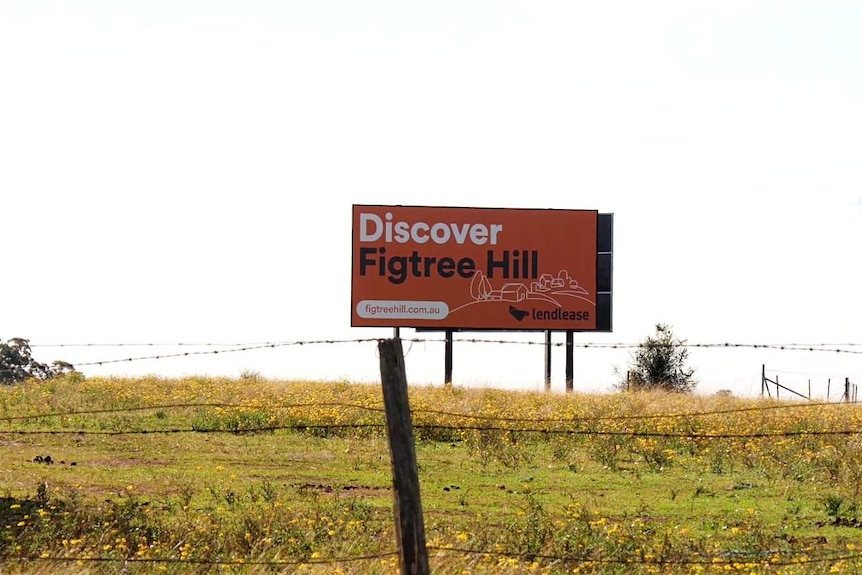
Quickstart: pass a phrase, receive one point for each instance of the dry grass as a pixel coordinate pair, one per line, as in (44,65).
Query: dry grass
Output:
(200,475)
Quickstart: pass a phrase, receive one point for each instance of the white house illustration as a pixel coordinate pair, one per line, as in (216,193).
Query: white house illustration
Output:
(511,291)
(547,287)
(562,281)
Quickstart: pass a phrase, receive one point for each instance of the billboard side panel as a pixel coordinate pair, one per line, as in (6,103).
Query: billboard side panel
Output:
(604,272)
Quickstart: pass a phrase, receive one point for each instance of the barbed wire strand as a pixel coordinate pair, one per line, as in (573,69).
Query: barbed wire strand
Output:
(766,558)
(704,560)
(283,342)
(221,351)
(171,560)
(162,344)
(186,406)
(273,345)
(420,411)
(439,427)
(633,417)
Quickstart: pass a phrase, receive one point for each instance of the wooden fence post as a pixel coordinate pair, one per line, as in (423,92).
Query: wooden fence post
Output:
(409,524)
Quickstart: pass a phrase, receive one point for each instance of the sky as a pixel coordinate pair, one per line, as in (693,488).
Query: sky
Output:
(183,172)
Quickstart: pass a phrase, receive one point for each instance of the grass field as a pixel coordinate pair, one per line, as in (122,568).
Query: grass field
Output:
(202,475)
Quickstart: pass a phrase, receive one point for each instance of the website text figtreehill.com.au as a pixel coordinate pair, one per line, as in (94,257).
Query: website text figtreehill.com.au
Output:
(401,310)
(507,264)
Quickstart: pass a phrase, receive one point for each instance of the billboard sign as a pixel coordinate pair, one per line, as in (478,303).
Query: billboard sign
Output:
(477,269)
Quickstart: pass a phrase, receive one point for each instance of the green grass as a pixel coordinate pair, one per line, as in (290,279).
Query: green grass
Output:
(222,498)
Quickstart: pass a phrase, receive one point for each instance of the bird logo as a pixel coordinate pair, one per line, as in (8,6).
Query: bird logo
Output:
(518,314)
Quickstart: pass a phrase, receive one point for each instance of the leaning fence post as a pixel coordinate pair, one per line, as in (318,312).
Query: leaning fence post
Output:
(846,390)
(409,524)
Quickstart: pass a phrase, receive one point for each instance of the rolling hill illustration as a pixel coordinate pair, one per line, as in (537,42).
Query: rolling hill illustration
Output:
(553,289)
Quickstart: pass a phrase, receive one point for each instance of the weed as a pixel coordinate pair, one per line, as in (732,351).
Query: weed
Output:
(531,529)
(250,375)
(607,451)
(268,491)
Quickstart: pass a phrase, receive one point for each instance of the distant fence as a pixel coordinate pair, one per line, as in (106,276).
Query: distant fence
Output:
(771,385)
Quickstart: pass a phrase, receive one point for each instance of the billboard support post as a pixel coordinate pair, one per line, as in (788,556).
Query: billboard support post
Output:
(447,359)
(548,360)
(570,360)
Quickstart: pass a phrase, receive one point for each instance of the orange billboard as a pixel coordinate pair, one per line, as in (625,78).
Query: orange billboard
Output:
(474,268)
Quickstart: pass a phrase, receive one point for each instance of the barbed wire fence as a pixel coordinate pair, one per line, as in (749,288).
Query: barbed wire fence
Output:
(209,348)
(599,367)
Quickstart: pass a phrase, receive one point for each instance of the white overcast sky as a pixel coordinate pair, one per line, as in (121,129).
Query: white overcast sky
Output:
(183,171)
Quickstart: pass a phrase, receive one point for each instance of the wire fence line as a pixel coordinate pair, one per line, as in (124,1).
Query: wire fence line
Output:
(192,561)
(845,348)
(421,411)
(719,559)
(157,407)
(804,346)
(441,427)
(723,559)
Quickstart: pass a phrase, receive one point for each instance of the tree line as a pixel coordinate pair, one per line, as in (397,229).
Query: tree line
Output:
(17,363)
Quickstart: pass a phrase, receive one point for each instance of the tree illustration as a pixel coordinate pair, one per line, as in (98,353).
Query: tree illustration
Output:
(480,287)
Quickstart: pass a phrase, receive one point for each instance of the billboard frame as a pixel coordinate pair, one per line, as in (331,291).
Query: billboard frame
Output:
(603,291)
(419,267)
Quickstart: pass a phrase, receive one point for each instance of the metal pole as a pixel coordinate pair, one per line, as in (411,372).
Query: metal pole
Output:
(548,360)
(570,361)
(447,360)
